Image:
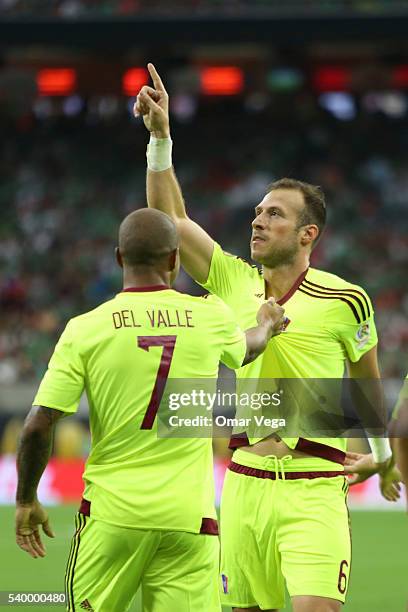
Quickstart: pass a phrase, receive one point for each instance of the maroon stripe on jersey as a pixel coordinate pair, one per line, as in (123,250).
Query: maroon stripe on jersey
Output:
(331,297)
(145,288)
(293,289)
(339,293)
(256,473)
(349,290)
(85,507)
(323,451)
(209,526)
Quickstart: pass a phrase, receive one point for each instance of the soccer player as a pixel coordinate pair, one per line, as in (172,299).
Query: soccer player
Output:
(148,514)
(283,511)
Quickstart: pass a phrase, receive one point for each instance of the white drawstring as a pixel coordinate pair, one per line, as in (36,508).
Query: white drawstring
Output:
(279,465)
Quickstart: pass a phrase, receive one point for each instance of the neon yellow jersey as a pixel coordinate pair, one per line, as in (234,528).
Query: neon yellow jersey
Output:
(331,320)
(121,353)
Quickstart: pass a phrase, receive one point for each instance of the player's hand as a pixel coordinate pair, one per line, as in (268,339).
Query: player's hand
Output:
(360,467)
(272,316)
(29,517)
(390,478)
(153,104)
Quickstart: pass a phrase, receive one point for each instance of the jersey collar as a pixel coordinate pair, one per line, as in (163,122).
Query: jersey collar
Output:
(145,288)
(293,289)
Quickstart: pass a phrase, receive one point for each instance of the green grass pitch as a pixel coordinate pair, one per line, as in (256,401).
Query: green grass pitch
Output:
(379,570)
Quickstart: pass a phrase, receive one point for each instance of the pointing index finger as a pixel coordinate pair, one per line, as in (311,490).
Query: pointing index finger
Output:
(157,82)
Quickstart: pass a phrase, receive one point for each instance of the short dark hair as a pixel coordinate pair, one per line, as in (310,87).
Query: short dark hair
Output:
(145,236)
(315,205)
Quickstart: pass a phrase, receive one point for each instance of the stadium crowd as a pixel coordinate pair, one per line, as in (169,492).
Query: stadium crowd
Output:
(78,8)
(66,182)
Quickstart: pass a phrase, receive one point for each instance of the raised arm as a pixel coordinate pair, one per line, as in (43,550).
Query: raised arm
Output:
(163,189)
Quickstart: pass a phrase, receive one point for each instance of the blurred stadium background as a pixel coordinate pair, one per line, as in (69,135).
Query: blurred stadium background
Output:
(314,89)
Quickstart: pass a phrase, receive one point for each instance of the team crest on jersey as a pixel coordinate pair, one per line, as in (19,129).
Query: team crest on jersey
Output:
(363,335)
(224,584)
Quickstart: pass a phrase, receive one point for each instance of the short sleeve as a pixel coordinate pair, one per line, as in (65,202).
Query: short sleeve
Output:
(227,273)
(354,322)
(234,346)
(63,383)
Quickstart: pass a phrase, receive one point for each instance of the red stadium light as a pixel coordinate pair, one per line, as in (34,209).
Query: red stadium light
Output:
(332,78)
(221,81)
(133,80)
(56,81)
(400,76)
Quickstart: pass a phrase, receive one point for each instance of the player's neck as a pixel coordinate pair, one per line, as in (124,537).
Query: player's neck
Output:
(280,280)
(145,279)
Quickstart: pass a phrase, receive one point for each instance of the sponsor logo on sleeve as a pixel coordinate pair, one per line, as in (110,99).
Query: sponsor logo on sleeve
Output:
(363,335)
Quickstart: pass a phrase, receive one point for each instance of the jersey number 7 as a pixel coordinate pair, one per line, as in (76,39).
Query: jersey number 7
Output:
(168,343)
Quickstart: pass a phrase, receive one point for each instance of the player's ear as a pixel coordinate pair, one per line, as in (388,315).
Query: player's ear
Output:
(309,233)
(118,256)
(174,260)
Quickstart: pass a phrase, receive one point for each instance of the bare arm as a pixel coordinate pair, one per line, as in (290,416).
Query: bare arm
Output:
(34,450)
(196,246)
(271,322)
(32,457)
(367,392)
(163,189)
(368,399)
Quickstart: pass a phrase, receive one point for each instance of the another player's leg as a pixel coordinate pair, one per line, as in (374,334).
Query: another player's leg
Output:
(106,564)
(183,575)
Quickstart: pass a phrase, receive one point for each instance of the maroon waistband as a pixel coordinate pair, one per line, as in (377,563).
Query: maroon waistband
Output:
(249,471)
(310,447)
(209,526)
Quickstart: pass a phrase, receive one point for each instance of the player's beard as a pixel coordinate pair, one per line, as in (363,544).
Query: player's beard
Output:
(279,255)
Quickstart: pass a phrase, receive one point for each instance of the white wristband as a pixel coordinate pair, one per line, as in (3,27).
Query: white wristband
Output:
(381,449)
(159,154)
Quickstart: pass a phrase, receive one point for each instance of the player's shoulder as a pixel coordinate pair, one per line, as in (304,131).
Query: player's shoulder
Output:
(326,281)
(343,295)
(213,306)
(210,301)
(90,316)
(242,265)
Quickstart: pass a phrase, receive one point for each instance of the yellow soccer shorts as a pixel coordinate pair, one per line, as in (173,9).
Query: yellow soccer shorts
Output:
(283,521)
(177,571)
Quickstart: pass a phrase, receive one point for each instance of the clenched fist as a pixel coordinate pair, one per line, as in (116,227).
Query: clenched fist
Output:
(272,315)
